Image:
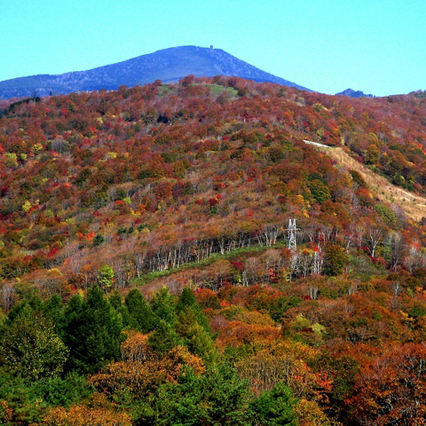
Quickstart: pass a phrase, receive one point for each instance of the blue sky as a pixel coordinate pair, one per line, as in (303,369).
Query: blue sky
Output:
(378,47)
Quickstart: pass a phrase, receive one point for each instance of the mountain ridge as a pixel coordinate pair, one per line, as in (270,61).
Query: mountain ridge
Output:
(167,65)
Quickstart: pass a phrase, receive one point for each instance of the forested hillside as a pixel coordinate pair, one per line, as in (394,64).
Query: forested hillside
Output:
(149,275)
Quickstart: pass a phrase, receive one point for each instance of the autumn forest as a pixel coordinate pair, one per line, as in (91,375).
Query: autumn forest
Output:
(178,254)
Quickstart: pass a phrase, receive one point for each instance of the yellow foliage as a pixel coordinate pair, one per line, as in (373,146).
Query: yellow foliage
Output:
(310,414)
(255,317)
(285,362)
(36,148)
(26,206)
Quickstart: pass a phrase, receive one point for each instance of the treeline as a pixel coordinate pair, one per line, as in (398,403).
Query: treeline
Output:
(320,250)
(241,355)
(246,258)
(99,360)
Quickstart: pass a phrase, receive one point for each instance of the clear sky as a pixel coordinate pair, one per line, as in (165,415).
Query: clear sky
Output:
(377,46)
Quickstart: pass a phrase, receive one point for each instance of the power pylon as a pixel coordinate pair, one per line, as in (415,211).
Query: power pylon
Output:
(291,232)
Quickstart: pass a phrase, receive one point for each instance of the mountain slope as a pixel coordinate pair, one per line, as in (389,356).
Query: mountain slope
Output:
(97,178)
(197,184)
(413,205)
(167,65)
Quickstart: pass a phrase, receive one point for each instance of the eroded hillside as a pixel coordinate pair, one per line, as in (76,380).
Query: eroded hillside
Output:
(414,206)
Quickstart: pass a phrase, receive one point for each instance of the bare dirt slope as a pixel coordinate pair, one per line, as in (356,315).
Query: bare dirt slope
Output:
(414,206)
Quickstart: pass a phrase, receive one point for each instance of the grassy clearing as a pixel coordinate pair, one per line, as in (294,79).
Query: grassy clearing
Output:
(151,276)
(216,89)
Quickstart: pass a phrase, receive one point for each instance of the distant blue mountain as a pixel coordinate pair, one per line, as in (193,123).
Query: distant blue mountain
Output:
(354,94)
(167,65)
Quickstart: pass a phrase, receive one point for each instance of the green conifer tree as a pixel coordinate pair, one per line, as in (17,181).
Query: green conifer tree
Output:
(141,316)
(164,338)
(187,301)
(195,337)
(92,332)
(163,305)
(219,397)
(275,407)
(53,309)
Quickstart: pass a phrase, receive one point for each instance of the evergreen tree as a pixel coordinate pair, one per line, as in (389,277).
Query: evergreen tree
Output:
(71,325)
(275,407)
(92,331)
(219,397)
(18,404)
(53,309)
(163,338)
(33,301)
(187,301)
(194,335)
(163,305)
(62,392)
(115,300)
(141,316)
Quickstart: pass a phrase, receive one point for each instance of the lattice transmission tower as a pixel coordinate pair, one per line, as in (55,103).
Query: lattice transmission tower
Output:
(291,233)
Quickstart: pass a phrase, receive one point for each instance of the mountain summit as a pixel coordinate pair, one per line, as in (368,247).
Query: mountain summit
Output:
(167,65)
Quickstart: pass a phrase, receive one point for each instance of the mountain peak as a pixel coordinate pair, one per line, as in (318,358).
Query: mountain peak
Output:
(354,94)
(167,65)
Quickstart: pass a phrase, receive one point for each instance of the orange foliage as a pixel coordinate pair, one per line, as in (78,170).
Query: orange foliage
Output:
(135,347)
(237,333)
(392,388)
(98,412)
(142,377)
(286,362)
